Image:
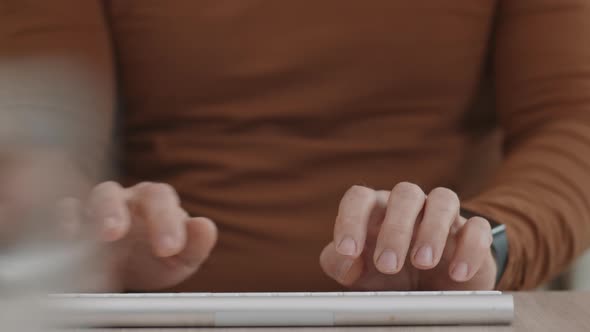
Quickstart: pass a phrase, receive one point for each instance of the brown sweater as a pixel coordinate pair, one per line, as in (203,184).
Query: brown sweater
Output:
(262,112)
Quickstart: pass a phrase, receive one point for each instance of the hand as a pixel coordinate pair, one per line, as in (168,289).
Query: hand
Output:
(406,240)
(146,241)
(155,243)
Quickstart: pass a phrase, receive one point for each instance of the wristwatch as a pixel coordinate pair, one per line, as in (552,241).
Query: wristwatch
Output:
(499,243)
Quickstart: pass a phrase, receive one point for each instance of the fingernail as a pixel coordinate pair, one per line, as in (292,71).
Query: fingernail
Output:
(424,256)
(347,246)
(344,268)
(460,271)
(168,244)
(387,261)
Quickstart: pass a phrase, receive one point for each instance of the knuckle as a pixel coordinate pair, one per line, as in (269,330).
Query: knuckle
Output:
(480,224)
(159,215)
(442,209)
(407,190)
(356,192)
(143,184)
(106,187)
(103,199)
(110,184)
(108,203)
(446,196)
(151,189)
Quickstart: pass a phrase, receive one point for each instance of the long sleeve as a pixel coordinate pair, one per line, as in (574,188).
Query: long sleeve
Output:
(56,75)
(542,189)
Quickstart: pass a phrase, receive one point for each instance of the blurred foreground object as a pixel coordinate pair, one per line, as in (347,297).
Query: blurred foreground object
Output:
(37,253)
(56,107)
(27,274)
(42,158)
(50,267)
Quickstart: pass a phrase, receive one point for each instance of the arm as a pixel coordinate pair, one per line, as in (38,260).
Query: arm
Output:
(542,190)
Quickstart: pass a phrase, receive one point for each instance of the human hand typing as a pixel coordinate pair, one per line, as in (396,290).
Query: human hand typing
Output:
(156,244)
(141,235)
(404,239)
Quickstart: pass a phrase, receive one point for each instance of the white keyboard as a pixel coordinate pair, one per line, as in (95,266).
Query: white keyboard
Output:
(283,309)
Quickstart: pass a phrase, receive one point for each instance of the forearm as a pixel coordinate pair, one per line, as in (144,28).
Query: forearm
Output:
(542,193)
(542,189)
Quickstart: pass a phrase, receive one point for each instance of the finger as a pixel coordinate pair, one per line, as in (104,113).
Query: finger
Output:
(354,212)
(107,210)
(201,238)
(404,206)
(158,206)
(344,269)
(440,212)
(473,247)
(69,216)
(377,217)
